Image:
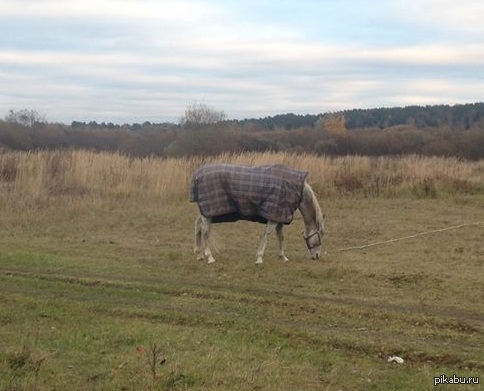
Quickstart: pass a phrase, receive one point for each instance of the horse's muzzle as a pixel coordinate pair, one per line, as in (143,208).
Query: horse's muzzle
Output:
(316,255)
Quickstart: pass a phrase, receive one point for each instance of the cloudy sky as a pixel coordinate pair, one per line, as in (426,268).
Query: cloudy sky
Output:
(127,61)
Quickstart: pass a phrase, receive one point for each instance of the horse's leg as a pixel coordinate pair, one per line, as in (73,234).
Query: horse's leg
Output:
(280,239)
(198,239)
(206,226)
(271,225)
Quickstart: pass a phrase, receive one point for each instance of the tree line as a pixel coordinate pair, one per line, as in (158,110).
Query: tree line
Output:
(427,130)
(458,117)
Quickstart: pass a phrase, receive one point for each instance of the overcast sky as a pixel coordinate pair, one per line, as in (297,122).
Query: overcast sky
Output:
(127,61)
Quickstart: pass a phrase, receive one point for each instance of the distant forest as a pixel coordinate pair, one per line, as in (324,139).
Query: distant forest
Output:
(459,117)
(427,130)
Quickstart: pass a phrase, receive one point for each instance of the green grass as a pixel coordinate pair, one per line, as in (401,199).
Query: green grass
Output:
(88,286)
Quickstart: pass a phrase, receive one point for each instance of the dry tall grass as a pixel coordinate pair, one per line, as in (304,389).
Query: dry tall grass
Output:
(91,174)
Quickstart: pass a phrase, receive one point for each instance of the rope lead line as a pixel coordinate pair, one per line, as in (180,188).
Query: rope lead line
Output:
(407,237)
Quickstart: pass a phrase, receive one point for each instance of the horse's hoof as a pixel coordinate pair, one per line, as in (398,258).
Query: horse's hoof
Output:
(210,260)
(258,262)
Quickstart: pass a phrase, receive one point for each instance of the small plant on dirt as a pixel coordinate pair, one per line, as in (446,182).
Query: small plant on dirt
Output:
(153,358)
(175,380)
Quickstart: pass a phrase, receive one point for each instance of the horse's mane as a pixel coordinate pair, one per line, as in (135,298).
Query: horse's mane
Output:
(309,192)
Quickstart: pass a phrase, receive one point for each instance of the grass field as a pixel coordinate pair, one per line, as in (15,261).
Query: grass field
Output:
(100,289)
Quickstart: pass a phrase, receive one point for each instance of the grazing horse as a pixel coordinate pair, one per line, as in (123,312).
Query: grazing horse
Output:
(266,194)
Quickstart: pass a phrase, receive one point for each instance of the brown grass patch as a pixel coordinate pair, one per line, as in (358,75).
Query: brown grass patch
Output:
(83,173)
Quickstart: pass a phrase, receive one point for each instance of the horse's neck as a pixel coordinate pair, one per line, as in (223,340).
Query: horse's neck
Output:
(308,209)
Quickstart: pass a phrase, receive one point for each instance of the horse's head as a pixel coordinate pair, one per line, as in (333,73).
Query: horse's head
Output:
(313,222)
(314,238)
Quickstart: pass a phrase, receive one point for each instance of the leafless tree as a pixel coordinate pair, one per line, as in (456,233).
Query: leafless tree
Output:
(201,114)
(25,117)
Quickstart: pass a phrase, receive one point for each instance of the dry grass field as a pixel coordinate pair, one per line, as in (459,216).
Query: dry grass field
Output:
(100,289)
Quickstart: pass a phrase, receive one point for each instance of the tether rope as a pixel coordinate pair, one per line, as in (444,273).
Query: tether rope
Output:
(407,237)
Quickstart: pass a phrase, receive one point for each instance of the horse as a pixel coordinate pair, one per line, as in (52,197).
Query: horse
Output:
(267,194)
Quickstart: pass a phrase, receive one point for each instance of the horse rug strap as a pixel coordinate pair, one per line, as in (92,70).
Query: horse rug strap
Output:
(227,192)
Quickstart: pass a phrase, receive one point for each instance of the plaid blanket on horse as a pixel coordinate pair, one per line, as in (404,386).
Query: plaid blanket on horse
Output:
(226,192)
